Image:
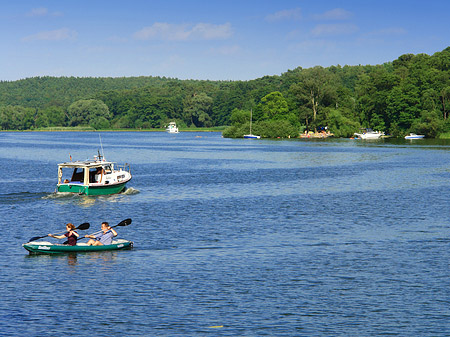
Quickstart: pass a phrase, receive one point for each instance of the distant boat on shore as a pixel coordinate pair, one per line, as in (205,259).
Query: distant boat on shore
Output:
(369,134)
(414,136)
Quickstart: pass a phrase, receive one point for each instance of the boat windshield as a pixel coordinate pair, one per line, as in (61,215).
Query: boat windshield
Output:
(78,175)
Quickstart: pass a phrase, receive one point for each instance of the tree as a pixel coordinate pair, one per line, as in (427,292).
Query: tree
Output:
(316,89)
(429,124)
(55,116)
(196,108)
(16,118)
(445,99)
(239,117)
(41,120)
(89,112)
(403,106)
(340,125)
(373,90)
(274,105)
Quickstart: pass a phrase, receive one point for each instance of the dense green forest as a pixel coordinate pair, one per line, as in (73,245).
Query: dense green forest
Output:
(409,94)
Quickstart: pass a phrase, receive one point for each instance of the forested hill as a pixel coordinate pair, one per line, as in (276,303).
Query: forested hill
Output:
(409,94)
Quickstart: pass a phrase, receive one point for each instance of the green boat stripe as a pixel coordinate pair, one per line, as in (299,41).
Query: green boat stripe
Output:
(35,247)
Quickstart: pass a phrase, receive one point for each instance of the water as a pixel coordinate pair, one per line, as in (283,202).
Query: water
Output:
(232,238)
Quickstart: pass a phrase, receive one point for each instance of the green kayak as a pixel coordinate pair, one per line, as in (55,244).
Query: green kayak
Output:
(44,247)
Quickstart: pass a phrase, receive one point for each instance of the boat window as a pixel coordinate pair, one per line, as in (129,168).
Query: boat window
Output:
(95,174)
(78,175)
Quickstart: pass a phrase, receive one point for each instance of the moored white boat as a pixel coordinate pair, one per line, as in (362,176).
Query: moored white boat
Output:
(172,128)
(250,135)
(414,136)
(92,177)
(369,134)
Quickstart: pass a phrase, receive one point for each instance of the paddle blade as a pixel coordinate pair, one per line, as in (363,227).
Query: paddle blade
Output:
(125,222)
(84,226)
(34,238)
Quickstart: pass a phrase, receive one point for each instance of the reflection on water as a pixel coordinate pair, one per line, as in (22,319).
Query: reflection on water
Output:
(72,259)
(100,259)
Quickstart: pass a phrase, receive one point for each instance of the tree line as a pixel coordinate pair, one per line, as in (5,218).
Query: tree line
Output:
(409,94)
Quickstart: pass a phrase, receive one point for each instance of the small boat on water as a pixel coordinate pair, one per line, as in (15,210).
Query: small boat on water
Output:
(172,128)
(44,247)
(369,134)
(92,177)
(414,136)
(250,135)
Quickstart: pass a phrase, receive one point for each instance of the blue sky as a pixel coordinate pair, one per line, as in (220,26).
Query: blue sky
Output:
(214,40)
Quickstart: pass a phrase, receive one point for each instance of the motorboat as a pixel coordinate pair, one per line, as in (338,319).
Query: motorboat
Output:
(369,134)
(414,136)
(172,128)
(92,177)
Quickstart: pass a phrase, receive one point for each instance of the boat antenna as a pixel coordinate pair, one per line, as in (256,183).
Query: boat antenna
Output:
(101,145)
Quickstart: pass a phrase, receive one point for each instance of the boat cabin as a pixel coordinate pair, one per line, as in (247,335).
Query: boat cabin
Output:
(84,173)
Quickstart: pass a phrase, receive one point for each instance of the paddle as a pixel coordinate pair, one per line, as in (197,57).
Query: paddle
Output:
(82,227)
(123,223)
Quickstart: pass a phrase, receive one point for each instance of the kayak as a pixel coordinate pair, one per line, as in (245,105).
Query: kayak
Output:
(44,247)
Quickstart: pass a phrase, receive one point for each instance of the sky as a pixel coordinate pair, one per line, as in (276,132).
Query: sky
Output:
(211,40)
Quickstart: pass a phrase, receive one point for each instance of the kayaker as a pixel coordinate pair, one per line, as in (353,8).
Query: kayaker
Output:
(104,237)
(71,235)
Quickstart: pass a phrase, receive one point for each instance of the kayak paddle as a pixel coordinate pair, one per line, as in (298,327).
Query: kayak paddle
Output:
(123,223)
(82,227)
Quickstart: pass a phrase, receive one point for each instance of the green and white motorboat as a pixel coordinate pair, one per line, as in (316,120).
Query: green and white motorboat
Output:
(92,177)
(44,247)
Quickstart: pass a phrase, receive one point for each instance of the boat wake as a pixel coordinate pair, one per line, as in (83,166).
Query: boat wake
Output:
(88,200)
(58,195)
(130,191)
(20,197)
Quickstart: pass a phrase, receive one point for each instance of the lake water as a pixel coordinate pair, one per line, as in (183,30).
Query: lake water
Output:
(232,237)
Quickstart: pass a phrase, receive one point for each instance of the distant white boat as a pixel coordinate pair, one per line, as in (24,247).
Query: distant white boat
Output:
(414,136)
(369,134)
(250,135)
(172,128)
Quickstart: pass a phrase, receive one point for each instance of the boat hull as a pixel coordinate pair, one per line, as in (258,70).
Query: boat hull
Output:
(92,190)
(415,137)
(251,137)
(369,135)
(42,247)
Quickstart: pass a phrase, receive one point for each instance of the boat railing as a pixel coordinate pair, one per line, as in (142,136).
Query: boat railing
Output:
(124,167)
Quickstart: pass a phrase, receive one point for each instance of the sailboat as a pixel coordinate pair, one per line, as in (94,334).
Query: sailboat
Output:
(250,135)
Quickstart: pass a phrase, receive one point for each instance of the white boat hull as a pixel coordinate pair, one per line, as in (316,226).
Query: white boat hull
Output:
(252,137)
(414,136)
(370,135)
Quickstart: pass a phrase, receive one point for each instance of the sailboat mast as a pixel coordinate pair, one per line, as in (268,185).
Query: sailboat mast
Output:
(251,117)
